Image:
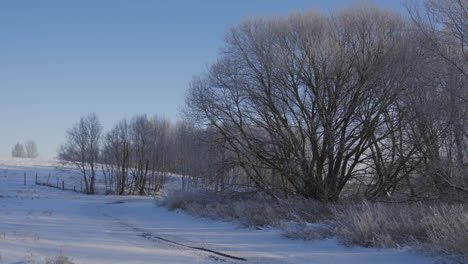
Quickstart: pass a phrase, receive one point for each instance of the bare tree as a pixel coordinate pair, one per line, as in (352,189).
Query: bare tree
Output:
(438,101)
(31,149)
(160,133)
(444,27)
(116,155)
(82,148)
(299,99)
(141,141)
(18,151)
(392,159)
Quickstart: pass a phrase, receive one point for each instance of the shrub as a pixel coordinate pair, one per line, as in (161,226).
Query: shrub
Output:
(60,259)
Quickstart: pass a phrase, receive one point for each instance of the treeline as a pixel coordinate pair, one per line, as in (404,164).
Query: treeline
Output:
(362,102)
(135,155)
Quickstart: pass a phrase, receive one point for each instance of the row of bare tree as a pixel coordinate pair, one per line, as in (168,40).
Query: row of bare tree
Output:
(135,155)
(358,102)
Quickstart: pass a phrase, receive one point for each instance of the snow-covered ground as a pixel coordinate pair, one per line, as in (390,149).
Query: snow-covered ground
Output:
(38,222)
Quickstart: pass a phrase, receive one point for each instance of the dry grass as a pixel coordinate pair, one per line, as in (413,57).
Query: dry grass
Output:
(252,212)
(448,230)
(439,228)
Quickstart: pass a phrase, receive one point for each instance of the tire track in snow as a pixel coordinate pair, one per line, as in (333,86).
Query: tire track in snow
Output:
(155,238)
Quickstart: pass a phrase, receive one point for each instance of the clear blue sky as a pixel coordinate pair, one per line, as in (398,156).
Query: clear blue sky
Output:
(62,59)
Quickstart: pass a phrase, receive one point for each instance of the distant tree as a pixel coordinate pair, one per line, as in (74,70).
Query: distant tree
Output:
(82,148)
(31,149)
(18,151)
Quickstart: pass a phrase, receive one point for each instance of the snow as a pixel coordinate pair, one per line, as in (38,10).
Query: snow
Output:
(37,222)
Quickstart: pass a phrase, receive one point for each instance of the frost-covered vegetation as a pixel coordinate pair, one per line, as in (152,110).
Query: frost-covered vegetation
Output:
(438,228)
(362,102)
(349,124)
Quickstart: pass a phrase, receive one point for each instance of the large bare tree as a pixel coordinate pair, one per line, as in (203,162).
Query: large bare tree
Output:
(301,98)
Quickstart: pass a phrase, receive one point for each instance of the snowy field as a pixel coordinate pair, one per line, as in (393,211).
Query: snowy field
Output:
(37,222)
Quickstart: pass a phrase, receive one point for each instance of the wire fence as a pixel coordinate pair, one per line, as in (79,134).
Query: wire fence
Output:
(57,183)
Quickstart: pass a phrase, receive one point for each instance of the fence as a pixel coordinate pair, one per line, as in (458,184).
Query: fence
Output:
(60,184)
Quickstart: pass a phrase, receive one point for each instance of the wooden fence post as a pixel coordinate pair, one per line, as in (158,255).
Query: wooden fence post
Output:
(36,178)
(25,178)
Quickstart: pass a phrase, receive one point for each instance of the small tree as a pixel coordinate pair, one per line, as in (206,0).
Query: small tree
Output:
(18,151)
(82,148)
